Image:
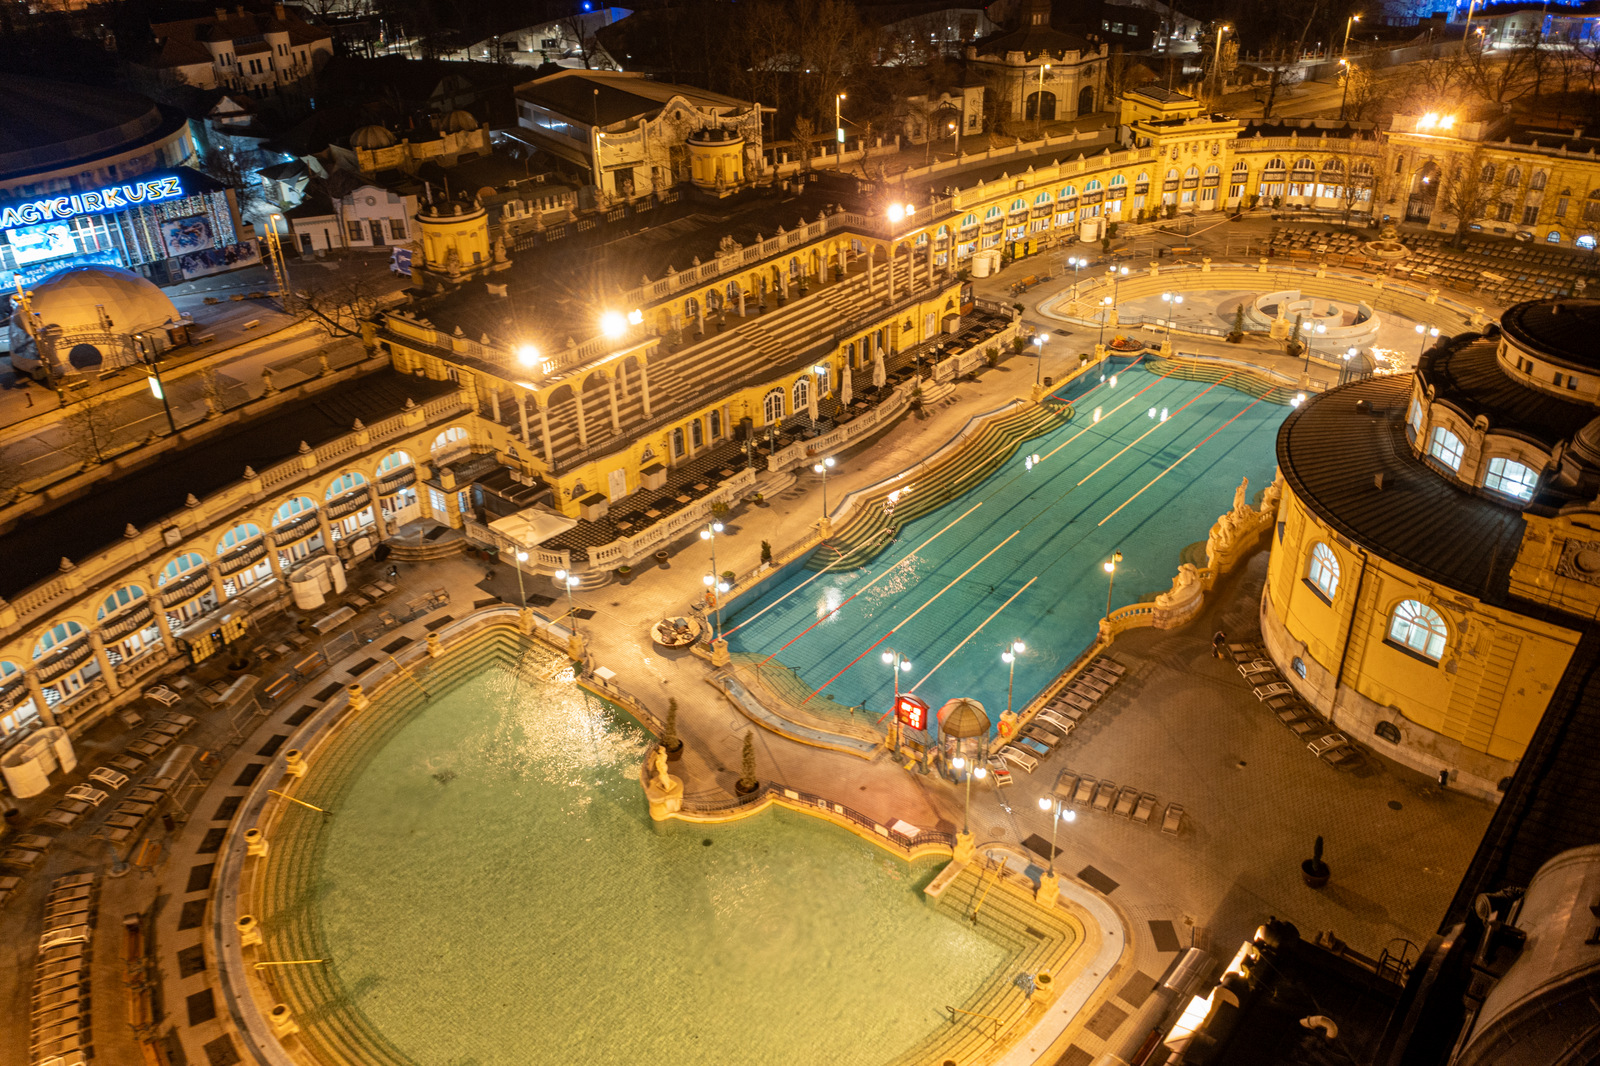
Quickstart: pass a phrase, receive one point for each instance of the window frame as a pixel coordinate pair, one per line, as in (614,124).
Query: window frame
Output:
(1501,476)
(1440,451)
(1426,651)
(1323,572)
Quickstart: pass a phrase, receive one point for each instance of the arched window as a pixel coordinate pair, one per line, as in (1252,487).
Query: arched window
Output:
(993,212)
(298,505)
(1553,237)
(1488,173)
(1143,178)
(126,595)
(1419,628)
(56,635)
(1192,172)
(802,395)
(696,434)
(1323,573)
(1092,185)
(1511,478)
(1274,164)
(1446,447)
(1304,164)
(1118,179)
(1240,169)
(970,220)
(944,231)
(1332,166)
(1387,731)
(242,533)
(453,437)
(1213,170)
(772,406)
(1172,175)
(677,441)
(180,566)
(1019,204)
(1513,177)
(1067,192)
(343,484)
(1042,198)
(1537,181)
(393,461)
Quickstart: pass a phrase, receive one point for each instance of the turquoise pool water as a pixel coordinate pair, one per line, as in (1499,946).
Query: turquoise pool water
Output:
(493,892)
(1055,524)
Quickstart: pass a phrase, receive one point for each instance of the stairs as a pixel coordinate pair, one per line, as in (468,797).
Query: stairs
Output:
(867,532)
(1039,939)
(1247,383)
(413,548)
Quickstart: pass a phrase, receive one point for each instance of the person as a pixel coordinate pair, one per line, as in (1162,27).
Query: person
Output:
(1219,644)
(394,573)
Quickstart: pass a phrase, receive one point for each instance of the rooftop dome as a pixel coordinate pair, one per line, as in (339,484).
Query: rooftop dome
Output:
(1562,331)
(370,137)
(74,299)
(963,717)
(460,122)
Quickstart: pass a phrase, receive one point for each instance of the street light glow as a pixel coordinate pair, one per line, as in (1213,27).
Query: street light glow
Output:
(613,325)
(527,355)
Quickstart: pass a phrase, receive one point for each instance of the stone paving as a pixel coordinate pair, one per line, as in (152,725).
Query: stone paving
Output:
(1181,725)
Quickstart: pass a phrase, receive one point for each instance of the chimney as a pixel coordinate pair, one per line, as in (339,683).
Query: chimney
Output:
(222,14)
(278,13)
(240,9)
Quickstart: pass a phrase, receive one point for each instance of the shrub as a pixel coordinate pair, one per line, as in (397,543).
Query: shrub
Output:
(766,551)
(991,355)
(747,761)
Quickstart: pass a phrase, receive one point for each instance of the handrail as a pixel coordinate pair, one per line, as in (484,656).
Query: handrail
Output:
(406,672)
(974,1014)
(999,872)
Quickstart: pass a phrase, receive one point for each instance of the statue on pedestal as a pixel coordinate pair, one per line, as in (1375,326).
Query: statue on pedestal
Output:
(1239,505)
(663,779)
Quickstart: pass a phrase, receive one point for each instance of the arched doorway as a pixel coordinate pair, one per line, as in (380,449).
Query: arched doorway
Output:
(1041,106)
(943,124)
(1086,101)
(1424,193)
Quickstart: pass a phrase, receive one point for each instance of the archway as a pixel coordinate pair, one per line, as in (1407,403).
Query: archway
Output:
(1424,193)
(1041,106)
(83,356)
(1086,101)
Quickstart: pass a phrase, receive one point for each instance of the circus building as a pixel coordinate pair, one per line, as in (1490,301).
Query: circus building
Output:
(92,318)
(1435,567)
(101,177)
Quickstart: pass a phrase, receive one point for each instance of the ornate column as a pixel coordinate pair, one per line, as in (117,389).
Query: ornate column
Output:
(522,416)
(158,609)
(544,435)
(583,430)
(494,401)
(616,417)
(327,529)
(891,275)
(741,299)
(100,656)
(375,501)
(216,579)
(644,385)
(30,678)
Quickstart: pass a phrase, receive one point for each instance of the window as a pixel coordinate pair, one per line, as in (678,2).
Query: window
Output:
(344,483)
(1513,178)
(298,505)
(118,600)
(1537,181)
(1298,665)
(181,565)
(1552,237)
(677,442)
(397,228)
(1511,478)
(1446,447)
(1530,214)
(802,395)
(58,634)
(1323,574)
(353,231)
(772,406)
(1561,207)
(454,437)
(1415,418)
(696,435)
(394,461)
(716,425)
(1387,731)
(243,533)
(1418,628)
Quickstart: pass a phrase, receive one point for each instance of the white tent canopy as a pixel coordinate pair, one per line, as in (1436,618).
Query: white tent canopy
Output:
(532,527)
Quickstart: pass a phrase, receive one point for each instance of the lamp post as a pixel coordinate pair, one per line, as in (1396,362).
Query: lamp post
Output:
(279,263)
(522,557)
(1172,300)
(1059,812)
(956,126)
(157,388)
(1105,312)
(1111,578)
(1319,328)
(822,468)
(1466,29)
(960,763)
(838,128)
(897,663)
(1344,97)
(569,582)
(1038,110)
(1009,657)
(1423,334)
(718,586)
(1216,66)
(1344,49)
(1040,341)
(710,534)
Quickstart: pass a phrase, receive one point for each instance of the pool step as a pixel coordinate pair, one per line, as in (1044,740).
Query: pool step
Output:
(1237,379)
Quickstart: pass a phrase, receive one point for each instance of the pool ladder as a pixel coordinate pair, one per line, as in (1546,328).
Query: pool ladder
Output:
(999,872)
(405,671)
(974,1014)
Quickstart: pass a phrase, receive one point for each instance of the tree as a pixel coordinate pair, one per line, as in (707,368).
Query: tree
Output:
(1118,68)
(340,306)
(233,170)
(805,139)
(1465,192)
(1276,78)
(1236,331)
(89,424)
(747,763)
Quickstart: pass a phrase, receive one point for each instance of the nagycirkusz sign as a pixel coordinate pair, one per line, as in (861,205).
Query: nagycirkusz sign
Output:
(110,198)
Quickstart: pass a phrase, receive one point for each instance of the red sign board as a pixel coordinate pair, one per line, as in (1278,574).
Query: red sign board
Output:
(911,712)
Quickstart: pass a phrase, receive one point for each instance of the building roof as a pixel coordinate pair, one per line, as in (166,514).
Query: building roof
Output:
(46,123)
(1562,331)
(1469,377)
(78,529)
(1034,37)
(612,96)
(1330,453)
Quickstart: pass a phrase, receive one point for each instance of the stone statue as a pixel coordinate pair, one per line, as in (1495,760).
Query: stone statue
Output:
(1239,497)
(663,779)
(1269,500)
(1185,586)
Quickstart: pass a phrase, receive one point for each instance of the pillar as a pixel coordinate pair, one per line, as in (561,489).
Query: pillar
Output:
(583,430)
(616,417)
(522,417)
(544,436)
(741,300)
(783,283)
(100,656)
(159,610)
(494,402)
(30,677)
(375,501)
(891,277)
(644,386)
(216,580)
(326,527)
(700,318)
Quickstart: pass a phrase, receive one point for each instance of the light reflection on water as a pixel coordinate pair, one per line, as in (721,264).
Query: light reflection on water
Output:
(493,891)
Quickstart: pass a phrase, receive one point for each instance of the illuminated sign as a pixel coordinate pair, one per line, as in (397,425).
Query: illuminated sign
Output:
(110,198)
(911,712)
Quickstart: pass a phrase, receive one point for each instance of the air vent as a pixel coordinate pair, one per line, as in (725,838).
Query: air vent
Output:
(1380,481)
(1363,407)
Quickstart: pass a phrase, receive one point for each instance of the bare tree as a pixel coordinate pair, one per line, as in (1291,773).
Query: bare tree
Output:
(89,424)
(585,41)
(1501,76)
(1465,192)
(1364,93)
(805,139)
(339,306)
(1118,67)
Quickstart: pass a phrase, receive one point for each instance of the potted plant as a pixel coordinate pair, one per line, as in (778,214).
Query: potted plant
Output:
(661,558)
(766,553)
(758,499)
(671,742)
(1314,870)
(624,572)
(916,397)
(728,578)
(747,785)
(1017,344)
(991,355)
(719,508)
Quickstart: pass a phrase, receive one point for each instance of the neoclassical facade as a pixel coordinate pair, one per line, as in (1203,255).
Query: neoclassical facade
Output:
(1435,560)
(1036,73)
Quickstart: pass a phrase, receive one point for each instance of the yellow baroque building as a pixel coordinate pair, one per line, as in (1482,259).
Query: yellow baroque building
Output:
(1436,558)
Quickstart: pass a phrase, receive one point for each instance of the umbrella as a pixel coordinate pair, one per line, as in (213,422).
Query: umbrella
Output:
(845,392)
(880,373)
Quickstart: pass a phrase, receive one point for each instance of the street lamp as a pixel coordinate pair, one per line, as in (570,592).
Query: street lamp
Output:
(896,662)
(1172,300)
(157,388)
(522,557)
(710,534)
(714,581)
(1216,68)
(1344,49)
(960,763)
(838,126)
(1105,313)
(1318,329)
(822,468)
(1040,340)
(1344,97)
(1423,333)
(1009,657)
(569,582)
(1111,578)
(528,355)
(1059,812)
(1038,110)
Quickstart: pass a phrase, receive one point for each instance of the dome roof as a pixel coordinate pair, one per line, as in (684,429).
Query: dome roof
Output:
(370,137)
(963,717)
(460,122)
(74,299)
(1559,330)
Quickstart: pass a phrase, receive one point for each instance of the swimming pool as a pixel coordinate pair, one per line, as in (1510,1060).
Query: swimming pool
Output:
(1020,556)
(491,890)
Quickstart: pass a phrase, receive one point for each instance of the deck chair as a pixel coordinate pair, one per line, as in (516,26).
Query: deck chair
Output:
(1019,758)
(107,777)
(1103,796)
(1084,795)
(92,796)
(1172,821)
(1048,737)
(1147,806)
(1277,688)
(1062,725)
(1066,782)
(1126,799)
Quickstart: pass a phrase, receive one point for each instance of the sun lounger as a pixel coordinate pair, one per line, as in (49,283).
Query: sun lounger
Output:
(134,809)
(1125,801)
(59,990)
(68,880)
(184,720)
(124,821)
(1059,722)
(1066,783)
(109,778)
(114,834)
(160,740)
(1247,650)
(1282,703)
(1109,665)
(1172,821)
(999,771)
(26,858)
(1019,758)
(1084,794)
(1304,727)
(65,908)
(1257,666)
(167,729)
(127,764)
(92,796)
(1142,812)
(60,819)
(1098,676)
(1033,747)
(146,795)
(1086,683)
(1104,795)
(1327,743)
(1277,688)
(67,895)
(1048,737)
(145,748)
(162,695)
(75,934)
(1293,713)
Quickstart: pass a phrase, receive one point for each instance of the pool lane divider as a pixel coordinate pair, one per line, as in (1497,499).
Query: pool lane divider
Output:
(974,633)
(953,582)
(1180,459)
(1152,429)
